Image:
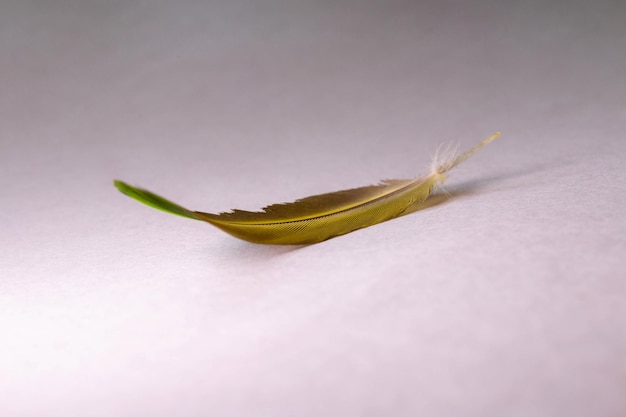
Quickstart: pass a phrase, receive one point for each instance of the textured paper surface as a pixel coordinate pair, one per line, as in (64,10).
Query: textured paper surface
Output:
(505,299)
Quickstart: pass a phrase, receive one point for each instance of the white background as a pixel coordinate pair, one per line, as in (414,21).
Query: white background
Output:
(508,298)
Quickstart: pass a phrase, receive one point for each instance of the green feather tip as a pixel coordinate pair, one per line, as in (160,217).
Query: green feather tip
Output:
(153,200)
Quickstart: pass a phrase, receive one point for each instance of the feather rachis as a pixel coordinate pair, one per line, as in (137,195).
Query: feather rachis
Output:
(316,228)
(320,217)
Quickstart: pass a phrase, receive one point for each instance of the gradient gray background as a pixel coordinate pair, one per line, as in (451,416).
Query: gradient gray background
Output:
(506,299)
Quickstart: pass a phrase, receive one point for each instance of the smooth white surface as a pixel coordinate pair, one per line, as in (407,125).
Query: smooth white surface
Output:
(506,299)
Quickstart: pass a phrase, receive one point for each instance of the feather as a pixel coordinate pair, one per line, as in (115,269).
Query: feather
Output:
(319,217)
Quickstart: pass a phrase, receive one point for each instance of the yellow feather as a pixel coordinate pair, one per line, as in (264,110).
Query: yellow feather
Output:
(320,217)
